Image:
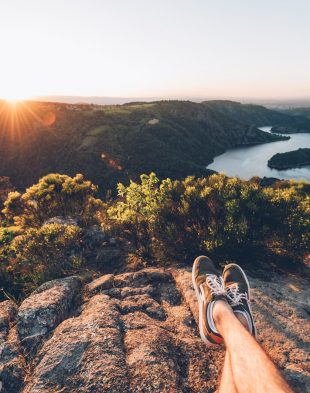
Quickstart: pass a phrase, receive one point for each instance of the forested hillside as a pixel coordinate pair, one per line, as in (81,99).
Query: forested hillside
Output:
(305,112)
(115,143)
(259,116)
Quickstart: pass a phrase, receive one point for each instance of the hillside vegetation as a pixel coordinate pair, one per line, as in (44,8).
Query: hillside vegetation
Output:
(58,227)
(63,224)
(290,159)
(109,144)
(259,116)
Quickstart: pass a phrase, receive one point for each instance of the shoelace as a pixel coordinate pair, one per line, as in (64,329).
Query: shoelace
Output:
(216,284)
(234,296)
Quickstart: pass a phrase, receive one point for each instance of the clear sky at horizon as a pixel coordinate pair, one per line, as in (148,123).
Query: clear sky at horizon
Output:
(168,48)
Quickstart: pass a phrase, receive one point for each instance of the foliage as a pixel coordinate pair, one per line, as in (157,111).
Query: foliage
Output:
(42,254)
(175,220)
(38,249)
(163,220)
(5,188)
(54,195)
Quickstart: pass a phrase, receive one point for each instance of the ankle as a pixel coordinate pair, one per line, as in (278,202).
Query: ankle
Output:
(220,310)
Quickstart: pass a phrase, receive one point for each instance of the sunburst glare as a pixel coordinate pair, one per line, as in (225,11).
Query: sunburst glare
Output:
(18,116)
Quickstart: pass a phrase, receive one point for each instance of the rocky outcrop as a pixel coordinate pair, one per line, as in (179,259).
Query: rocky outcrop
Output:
(40,313)
(136,332)
(12,364)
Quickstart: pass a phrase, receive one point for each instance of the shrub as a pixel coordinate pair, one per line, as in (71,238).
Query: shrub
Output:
(218,215)
(5,188)
(54,195)
(292,213)
(46,253)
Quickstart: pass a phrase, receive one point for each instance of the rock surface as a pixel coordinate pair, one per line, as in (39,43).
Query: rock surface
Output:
(136,332)
(41,312)
(12,363)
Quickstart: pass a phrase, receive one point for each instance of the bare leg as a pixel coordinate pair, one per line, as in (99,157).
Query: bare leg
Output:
(252,369)
(227,384)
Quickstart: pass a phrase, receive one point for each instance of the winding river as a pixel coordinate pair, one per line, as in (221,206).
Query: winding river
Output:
(249,161)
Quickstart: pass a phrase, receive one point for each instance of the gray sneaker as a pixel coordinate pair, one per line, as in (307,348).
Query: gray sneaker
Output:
(209,287)
(238,293)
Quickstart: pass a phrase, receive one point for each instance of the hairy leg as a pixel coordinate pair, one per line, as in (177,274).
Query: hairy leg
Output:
(227,384)
(252,369)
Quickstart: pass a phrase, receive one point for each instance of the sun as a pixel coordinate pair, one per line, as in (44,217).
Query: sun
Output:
(13,98)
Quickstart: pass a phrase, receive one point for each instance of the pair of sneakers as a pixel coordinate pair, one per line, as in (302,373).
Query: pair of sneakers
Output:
(232,286)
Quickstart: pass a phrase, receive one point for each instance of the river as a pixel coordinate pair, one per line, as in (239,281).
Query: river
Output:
(249,161)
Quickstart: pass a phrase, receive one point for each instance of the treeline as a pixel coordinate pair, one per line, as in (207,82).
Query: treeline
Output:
(159,221)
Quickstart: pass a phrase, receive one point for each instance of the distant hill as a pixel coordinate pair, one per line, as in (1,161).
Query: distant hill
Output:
(305,112)
(276,104)
(95,100)
(259,116)
(115,143)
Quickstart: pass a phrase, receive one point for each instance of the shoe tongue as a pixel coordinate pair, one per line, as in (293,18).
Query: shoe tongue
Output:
(209,296)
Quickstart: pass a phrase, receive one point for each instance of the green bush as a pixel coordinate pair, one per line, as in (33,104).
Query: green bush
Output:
(163,220)
(46,253)
(175,220)
(54,195)
(5,187)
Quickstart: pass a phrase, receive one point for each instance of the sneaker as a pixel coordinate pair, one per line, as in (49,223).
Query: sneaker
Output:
(238,293)
(209,287)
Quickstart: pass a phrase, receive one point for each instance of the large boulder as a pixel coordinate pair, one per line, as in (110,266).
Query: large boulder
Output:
(42,311)
(8,312)
(85,354)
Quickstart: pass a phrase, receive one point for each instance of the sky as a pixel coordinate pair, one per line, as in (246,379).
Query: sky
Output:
(155,48)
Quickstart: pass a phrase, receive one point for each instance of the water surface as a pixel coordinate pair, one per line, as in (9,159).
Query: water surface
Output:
(249,161)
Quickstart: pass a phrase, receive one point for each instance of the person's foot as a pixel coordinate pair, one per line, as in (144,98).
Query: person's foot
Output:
(209,287)
(238,293)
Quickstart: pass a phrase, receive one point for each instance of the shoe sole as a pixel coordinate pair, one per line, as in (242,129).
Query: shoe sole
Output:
(248,284)
(200,306)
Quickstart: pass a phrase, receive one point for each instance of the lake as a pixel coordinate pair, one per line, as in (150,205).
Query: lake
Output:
(249,161)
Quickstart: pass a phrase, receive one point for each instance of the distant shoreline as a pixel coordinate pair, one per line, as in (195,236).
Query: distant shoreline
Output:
(280,168)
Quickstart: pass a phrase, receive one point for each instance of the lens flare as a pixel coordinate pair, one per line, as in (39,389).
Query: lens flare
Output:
(18,117)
